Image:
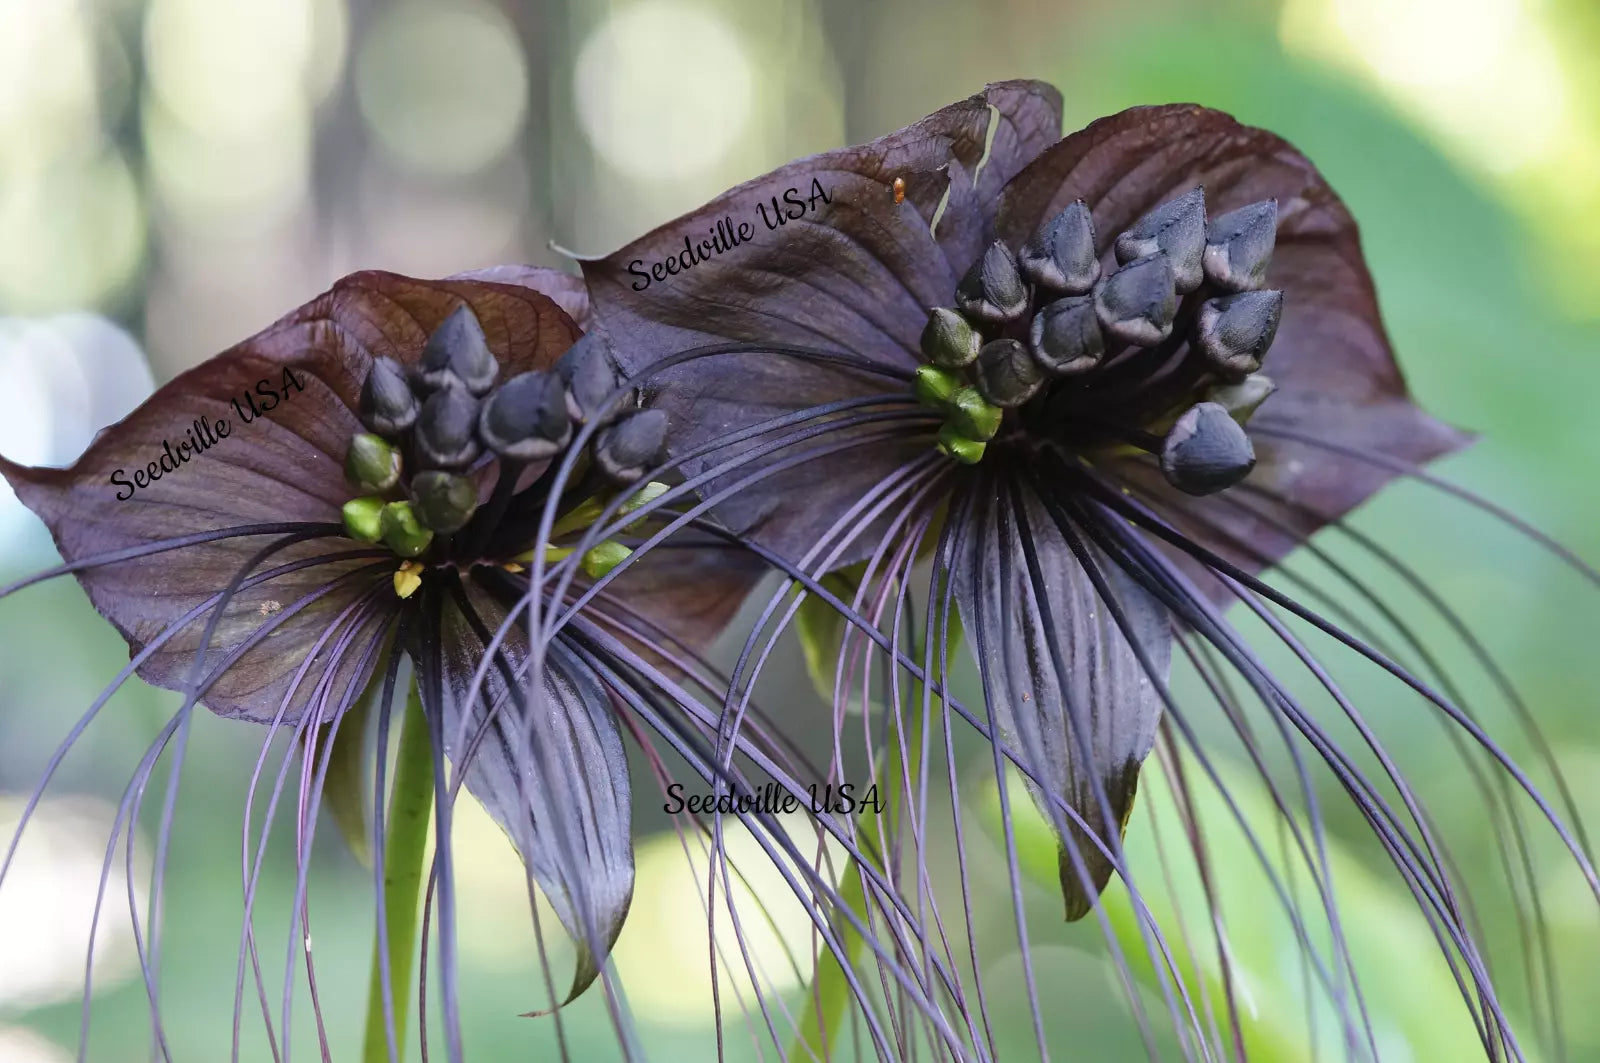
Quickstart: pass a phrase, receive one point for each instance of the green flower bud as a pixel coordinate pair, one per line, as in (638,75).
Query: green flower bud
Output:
(934,386)
(972,416)
(949,340)
(954,445)
(363,519)
(444,501)
(402,532)
(372,464)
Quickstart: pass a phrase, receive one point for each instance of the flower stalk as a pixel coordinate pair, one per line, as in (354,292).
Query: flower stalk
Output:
(405,846)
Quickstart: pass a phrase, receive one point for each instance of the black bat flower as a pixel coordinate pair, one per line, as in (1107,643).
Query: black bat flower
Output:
(434,471)
(1105,381)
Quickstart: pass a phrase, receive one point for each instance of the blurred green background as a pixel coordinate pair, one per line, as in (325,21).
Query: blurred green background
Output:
(184,171)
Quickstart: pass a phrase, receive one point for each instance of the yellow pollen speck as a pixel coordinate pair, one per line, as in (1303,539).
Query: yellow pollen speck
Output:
(407,578)
(514,567)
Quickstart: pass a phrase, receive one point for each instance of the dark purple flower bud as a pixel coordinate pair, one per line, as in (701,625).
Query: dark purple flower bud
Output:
(526,418)
(1239,246)
(1065,337)
(1177,228)
(1060,256)
(445,429)
(1137,303)
(1007,374)
(387,405)
(992,291)
(443,501)
(632,446)
(949,340)
(1234,331)
(590,377)
(1206,451)
(457,353)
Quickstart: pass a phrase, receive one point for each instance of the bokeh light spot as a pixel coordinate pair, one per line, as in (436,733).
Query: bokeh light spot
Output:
(48,903)
(221,65)
(663,953)
(66,378)
(442,86)
(71,233)
(47,80)
(663,89)
(245,178)
(24,1046)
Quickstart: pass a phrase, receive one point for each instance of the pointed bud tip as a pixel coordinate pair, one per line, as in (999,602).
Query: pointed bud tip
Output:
(1138,302)
(949,340)
(1061,257)
(992,290)
(1239,246)
(1176,228)
(457,354)
(590,377)
(1234,332)
(387,405)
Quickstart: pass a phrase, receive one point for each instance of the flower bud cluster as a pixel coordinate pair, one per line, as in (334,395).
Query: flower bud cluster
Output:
(433,427)
(1051,316)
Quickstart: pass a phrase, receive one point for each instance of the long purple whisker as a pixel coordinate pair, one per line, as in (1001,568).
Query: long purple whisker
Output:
(315,530)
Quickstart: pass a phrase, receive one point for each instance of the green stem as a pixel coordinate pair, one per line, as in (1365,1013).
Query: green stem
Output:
(406,843)
(830,995)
